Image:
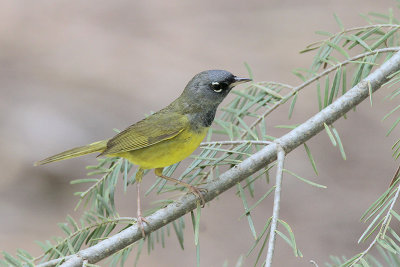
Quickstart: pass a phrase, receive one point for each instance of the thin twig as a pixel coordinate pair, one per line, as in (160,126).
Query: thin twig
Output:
(315,45)
(253,142)
(96,184)
(89,227)
(395,177)
(238,173)
(277,201)
(383,225)
(315,78)
(277,84)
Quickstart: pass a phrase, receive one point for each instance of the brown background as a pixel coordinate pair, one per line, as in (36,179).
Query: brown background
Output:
(70,72)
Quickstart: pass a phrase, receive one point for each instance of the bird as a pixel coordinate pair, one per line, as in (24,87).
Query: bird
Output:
(167,136)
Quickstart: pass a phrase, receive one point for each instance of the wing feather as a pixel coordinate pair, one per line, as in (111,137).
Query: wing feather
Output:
(156,128)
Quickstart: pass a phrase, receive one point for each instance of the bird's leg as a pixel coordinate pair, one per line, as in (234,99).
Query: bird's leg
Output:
(195,190)
(140,218)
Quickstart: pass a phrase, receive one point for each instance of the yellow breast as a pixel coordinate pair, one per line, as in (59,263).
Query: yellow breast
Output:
(167,152)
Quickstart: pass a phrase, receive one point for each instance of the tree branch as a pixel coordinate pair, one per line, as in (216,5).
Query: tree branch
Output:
(253,142)
(316,78)
(277,200)
(384,224)
(249,166)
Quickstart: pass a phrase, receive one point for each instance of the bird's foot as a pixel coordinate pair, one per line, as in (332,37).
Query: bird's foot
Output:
(140,220)
(198,192)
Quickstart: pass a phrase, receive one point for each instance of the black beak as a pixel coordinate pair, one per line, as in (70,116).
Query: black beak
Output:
(240,80)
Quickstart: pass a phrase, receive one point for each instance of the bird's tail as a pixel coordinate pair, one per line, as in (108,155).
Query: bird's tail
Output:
(75,152)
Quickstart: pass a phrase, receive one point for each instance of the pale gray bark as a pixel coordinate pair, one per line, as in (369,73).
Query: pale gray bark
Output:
(277,206)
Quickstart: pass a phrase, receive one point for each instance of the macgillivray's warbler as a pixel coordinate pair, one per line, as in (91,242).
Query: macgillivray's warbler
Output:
(167,136)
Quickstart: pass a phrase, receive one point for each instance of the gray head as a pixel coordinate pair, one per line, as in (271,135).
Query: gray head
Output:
(210,87)
(204,93)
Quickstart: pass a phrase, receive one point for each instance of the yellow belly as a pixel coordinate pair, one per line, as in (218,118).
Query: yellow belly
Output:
(167,152)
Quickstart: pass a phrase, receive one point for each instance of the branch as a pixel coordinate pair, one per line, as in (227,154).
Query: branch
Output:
(277,200)
(319,43)
(249,166)
(316,78)
(384,224)
(253,142)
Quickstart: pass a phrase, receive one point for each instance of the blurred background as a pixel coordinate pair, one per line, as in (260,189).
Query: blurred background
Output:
(71,72)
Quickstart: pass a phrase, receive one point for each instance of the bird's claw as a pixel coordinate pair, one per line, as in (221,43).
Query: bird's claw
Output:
(198,192)
(140,220)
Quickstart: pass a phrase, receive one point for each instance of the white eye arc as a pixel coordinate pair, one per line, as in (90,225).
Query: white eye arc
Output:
(216,87)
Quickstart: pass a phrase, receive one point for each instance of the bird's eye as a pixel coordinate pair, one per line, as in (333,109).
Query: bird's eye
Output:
(218,87)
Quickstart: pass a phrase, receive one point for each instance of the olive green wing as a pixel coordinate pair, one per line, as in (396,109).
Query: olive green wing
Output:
(156,128)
